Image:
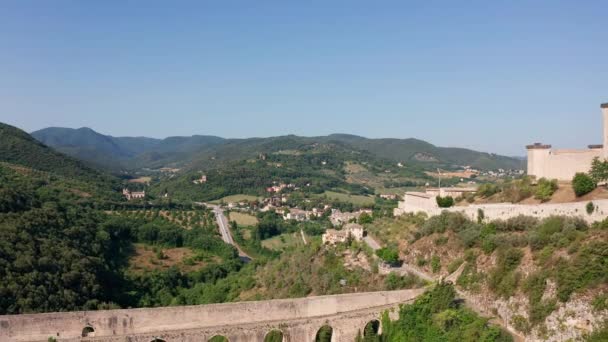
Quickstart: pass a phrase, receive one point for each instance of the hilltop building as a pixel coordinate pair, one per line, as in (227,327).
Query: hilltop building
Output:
(543,161)
(129,195)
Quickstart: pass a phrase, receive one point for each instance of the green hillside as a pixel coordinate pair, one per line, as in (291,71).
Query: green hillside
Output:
(204,152)
(18,147)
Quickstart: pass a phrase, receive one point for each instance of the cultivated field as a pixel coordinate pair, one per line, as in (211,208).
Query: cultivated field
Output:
(243,219)
(283,241)
(354,199)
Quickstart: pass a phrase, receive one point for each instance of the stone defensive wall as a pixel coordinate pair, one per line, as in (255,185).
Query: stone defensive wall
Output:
(298,320)
(503,211)
(560,164)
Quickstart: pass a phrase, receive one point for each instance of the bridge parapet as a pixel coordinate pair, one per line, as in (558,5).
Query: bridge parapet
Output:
(245,321)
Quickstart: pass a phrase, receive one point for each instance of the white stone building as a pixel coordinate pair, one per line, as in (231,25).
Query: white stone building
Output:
(543,161)
(129,195)
(333,236)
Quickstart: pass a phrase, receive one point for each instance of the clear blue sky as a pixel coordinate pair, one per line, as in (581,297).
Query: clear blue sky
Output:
(489,75)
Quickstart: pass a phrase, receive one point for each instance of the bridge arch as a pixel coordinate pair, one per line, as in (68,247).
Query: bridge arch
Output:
(156,339)
(88,331)
(274,335)
(324,334)
(372,329)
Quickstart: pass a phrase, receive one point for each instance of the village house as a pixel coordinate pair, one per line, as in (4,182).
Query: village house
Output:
(388,196)
(352,230)
(339,218)
(129,195)
(317,212)
(201,180)
(296,214)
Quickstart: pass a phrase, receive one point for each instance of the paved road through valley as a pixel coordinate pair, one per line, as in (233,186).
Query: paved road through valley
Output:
(224,227)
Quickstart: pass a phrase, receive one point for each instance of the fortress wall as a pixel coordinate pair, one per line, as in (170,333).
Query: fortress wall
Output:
(420,201)
(69,325)
(505,211)
(560,164)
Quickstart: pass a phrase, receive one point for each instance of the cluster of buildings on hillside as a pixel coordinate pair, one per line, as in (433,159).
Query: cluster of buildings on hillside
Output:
(350,231)
(279,187)
(338,218)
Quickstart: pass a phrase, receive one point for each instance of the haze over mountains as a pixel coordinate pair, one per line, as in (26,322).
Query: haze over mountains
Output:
(203,151)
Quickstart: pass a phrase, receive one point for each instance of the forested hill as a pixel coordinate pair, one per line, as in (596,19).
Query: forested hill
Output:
(201,151)
(19,150)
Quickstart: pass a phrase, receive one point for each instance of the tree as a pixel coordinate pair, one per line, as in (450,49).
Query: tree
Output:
(583,184)
(590,207)
(445,202)
(599,170)
(389,255)
(365,218)
(545,189)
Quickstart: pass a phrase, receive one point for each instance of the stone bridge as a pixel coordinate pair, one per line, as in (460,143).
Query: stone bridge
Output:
(297,320)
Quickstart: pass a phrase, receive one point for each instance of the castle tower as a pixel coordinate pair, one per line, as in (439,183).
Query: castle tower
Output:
(604,107)
(538,159)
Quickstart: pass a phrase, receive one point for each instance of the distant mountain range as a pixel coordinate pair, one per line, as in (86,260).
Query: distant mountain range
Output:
(202,151)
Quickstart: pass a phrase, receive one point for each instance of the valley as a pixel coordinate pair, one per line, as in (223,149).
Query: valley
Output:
(282,222)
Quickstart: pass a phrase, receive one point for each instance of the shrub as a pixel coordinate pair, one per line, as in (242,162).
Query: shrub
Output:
(442,240)
(545,189)
(470,235)
(600,302)
(487,190)
(481,215)
(453,266)
(470,279)
(503,279)
(520,323)
(516,224)
(517,190)
(590,207)
(435,264)
(582,184)
(365,218)
(420,261)
(389,255)
(445,202)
